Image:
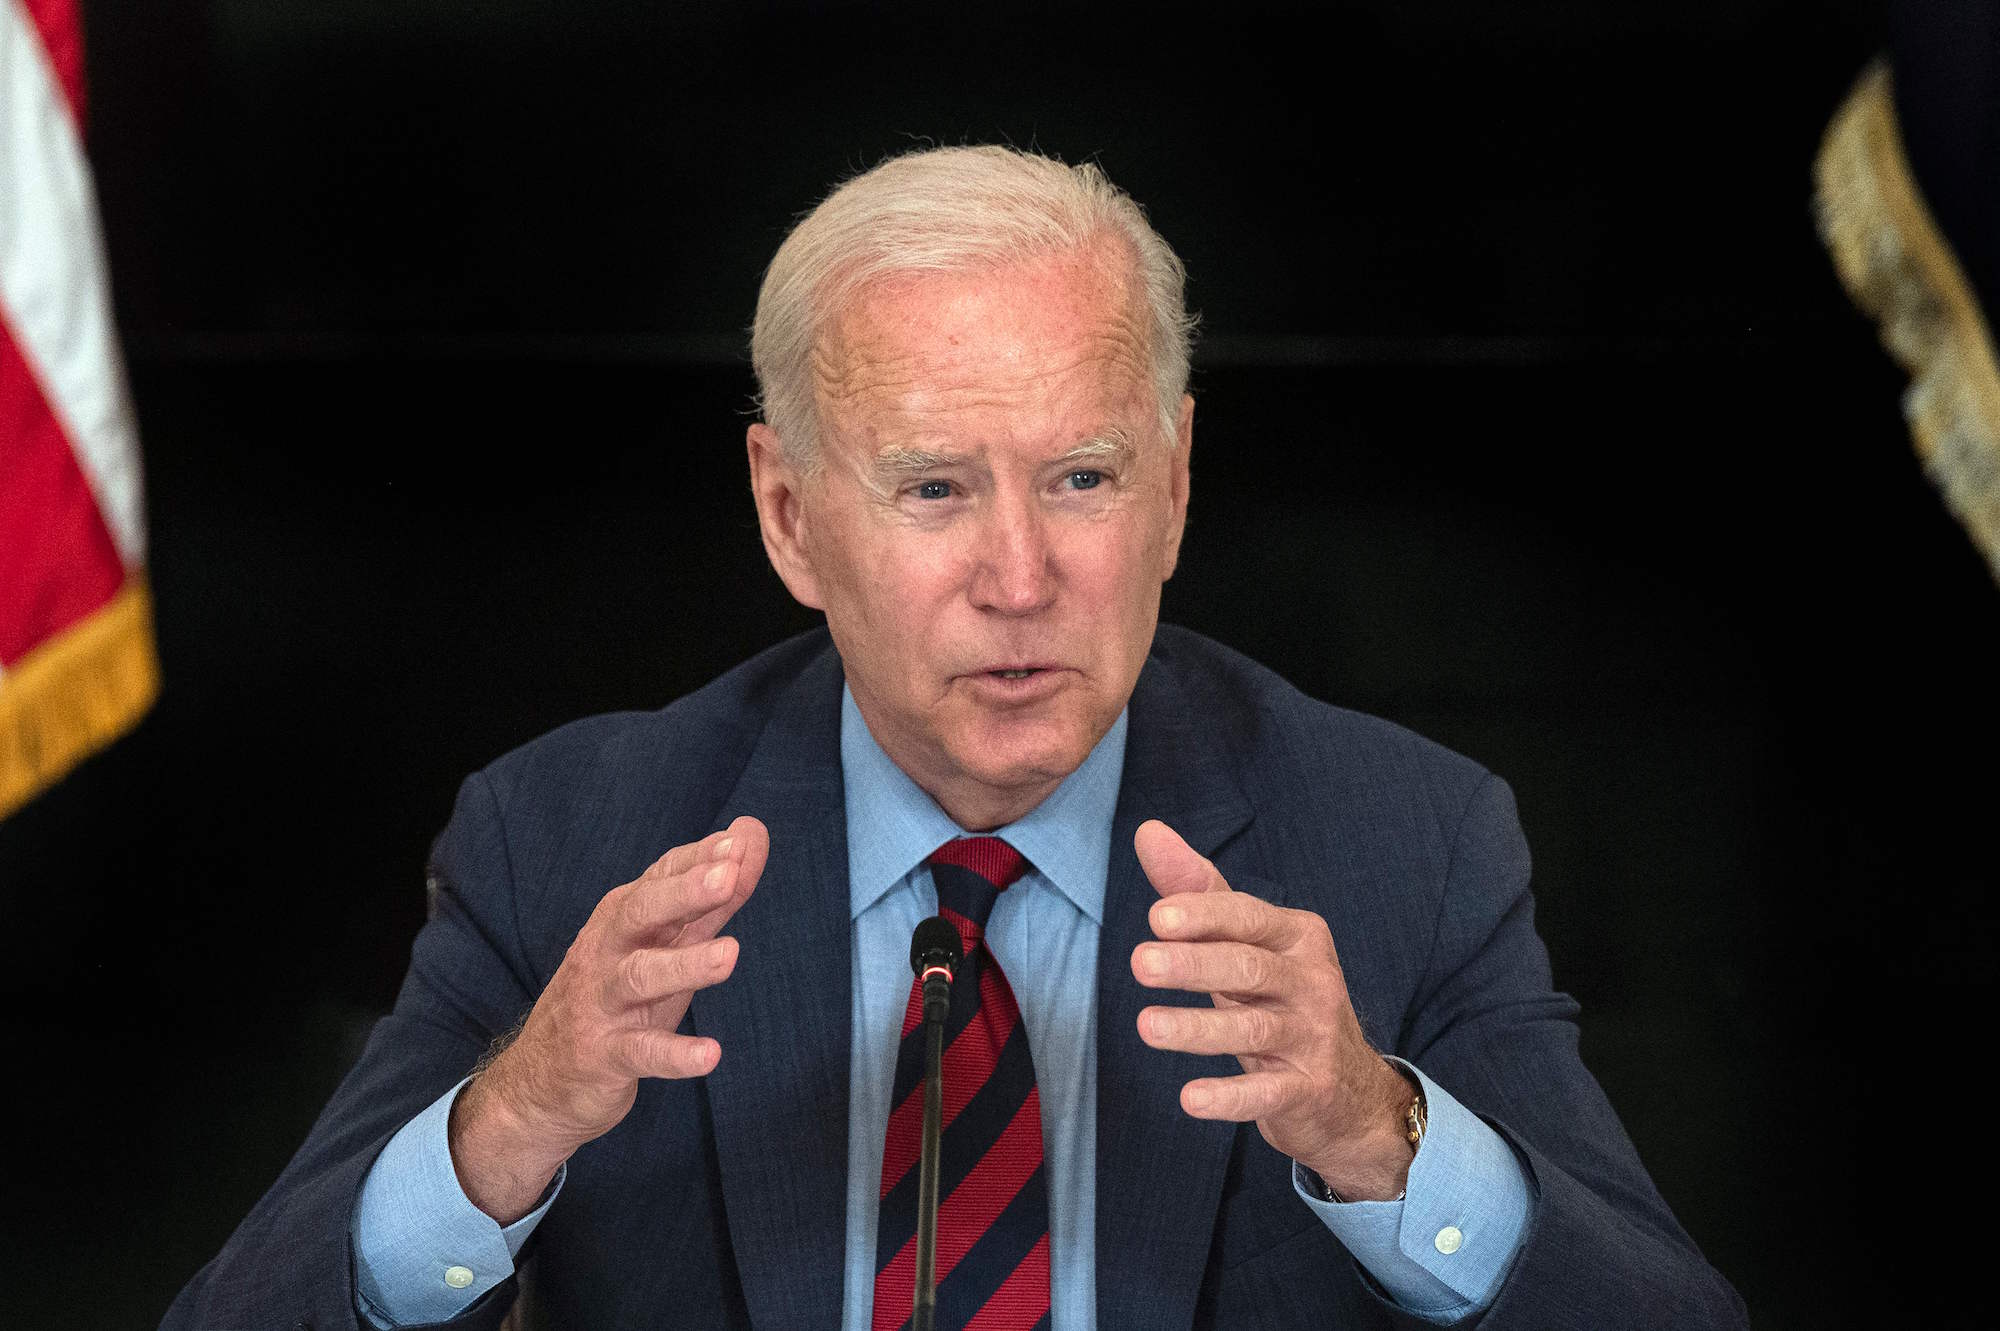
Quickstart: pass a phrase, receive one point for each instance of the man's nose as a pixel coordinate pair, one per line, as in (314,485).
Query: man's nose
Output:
(1015,574)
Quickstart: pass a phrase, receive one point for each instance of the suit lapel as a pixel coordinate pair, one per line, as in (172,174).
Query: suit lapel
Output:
(1159,1171)
(779,1095)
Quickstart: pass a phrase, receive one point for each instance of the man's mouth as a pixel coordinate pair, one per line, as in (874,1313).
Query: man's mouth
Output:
(1015,672)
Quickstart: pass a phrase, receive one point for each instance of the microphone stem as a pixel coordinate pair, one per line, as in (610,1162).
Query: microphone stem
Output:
(924,1314)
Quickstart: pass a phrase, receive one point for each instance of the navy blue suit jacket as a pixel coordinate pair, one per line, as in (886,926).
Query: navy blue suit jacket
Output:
(721,1202)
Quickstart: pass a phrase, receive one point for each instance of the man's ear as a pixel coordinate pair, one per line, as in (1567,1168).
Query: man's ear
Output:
(1183,445)
(779,489)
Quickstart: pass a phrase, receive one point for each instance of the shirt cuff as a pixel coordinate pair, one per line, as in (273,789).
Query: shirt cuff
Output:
(422,1251)
(1443,1250)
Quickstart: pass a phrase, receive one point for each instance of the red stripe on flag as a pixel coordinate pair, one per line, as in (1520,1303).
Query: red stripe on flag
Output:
(62,38)
(57,560)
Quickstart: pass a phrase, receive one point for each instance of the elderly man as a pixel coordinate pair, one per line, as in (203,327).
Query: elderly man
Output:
(1253,1028)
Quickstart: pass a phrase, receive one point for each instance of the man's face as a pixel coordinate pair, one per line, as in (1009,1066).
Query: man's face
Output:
(995,514)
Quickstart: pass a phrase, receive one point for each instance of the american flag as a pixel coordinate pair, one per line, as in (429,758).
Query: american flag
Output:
(77,665)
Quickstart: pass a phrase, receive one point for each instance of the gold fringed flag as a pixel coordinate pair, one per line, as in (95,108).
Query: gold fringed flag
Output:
(77,667)
(1899,268)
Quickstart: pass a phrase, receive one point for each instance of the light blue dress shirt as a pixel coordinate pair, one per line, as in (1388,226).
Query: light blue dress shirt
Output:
(425,1253)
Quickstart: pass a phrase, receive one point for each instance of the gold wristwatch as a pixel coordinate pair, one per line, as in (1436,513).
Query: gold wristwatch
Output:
(1416,1121)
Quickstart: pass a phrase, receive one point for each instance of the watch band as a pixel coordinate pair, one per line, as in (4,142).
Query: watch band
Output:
(1416,1122)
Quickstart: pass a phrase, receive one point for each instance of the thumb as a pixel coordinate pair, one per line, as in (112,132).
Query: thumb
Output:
(1172,864)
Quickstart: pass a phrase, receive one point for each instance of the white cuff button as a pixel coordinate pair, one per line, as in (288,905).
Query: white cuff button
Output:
(1448,1240)
(458,1277)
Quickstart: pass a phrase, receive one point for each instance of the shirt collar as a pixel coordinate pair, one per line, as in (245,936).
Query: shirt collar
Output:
(892,824)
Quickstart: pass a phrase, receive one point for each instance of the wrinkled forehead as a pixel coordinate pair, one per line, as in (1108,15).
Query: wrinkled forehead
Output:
(931,341)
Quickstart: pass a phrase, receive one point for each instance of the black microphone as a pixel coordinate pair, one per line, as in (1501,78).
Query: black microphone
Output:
(935,951)
(934,956)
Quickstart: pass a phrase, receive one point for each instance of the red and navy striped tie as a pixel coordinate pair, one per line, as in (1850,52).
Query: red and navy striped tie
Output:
(993,1207)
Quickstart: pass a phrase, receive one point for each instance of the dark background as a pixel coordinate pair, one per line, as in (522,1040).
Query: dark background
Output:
(1531,416)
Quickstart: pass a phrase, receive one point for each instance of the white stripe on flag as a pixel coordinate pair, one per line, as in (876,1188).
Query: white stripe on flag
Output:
(53,291)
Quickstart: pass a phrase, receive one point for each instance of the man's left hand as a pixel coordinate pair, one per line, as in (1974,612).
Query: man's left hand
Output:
(1316,1089)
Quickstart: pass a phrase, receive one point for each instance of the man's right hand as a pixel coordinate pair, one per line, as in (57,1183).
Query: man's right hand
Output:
(607,1018)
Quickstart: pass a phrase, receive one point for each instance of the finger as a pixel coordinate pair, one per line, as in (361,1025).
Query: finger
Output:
(1233,916)
(1239,970)
(692,904)
(653,907)
(647,1052)
(1171,864)
(1232,1030)
(646,975)
(1253,1095)
(682,858)
(750,847)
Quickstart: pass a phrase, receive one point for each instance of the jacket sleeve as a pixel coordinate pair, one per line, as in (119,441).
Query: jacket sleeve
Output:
(290,1263)
(1487,1024)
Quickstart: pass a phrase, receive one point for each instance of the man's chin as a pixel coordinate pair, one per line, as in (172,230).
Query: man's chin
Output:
(1023,758)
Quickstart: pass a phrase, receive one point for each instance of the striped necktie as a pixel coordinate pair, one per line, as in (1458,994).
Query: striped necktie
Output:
(993,1196)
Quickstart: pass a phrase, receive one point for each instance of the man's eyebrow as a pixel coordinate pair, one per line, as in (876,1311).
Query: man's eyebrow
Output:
(901,460)
(1113,444)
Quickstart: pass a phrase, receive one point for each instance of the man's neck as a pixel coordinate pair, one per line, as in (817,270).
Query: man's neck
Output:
(982,809)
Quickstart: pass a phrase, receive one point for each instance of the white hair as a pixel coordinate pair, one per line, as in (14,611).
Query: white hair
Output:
(950,210)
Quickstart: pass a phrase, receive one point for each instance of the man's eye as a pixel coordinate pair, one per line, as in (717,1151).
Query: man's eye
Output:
(1085,480)
(934,490)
